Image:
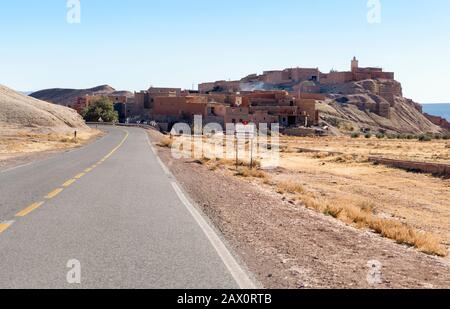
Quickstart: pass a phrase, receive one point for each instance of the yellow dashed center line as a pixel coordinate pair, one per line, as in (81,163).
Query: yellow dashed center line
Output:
(68,183)
(4,226)
(29,209)
(80,175)
(54,193)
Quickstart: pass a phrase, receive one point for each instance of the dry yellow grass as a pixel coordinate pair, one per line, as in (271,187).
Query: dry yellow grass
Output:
(362,216)
(165,142)
(403,234)
(290,187)
(27,142)
(248,172)
(348,182)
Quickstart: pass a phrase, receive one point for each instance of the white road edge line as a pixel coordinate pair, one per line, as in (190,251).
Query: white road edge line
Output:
(8,223)
(15,167)
(163,166)
(236,271)
(233,266)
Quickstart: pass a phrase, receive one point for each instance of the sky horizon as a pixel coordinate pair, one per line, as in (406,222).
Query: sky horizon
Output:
(131,45)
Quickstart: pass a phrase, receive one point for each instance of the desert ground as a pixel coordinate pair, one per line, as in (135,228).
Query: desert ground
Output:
(317,219)
(30,128)
(419,200)
(22,146)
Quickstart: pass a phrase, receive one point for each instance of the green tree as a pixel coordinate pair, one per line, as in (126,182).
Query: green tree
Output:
(102,109)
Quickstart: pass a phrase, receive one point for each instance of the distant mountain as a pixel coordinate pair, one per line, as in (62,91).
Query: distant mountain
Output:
(26,92)
(67,97)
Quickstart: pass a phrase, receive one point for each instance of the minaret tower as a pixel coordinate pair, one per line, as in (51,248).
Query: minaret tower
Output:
(355,65)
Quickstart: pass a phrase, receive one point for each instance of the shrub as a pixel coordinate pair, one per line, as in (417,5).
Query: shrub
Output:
(355,135)
(368,135)
(247,172)
(346,126)
(391,136)
(446,136)
(424,138)
(101,109)
(381,136)
(362,216)
(166,142)
(290,187)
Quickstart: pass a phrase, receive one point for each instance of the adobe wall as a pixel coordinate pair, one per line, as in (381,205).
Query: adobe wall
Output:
(336,78)
(299,74)
(273,77)
(422,167)
(259,117)
(307,108)
(178,107)
(236,114)
(312,96)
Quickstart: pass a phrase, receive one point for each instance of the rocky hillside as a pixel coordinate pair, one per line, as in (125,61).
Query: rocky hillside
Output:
(67,97)
(18,111)
(377,105)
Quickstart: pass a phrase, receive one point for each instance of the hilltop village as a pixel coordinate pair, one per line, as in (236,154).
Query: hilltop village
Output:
(304,101)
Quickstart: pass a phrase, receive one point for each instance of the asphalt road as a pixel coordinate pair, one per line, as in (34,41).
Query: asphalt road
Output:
(113,208)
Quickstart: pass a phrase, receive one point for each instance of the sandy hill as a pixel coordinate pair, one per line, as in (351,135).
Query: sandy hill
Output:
(67,97)
(18,111)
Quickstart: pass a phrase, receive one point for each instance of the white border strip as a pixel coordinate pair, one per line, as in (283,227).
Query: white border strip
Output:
(236,271)
(233,266)
(163,166)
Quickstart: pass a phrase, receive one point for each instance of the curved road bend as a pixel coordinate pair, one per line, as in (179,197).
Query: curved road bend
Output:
(111,207)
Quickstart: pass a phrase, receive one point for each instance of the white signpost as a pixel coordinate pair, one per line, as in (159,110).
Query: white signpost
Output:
(245,132)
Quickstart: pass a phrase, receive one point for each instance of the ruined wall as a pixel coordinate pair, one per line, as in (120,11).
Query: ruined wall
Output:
(390,90)
(236,114)
(307,108)
(220,86)
(273,77)
(437,169)
(301,74)
(336,78)
(312,96)
(260,117)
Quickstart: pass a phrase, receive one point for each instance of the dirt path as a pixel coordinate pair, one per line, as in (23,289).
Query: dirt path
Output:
(288,246)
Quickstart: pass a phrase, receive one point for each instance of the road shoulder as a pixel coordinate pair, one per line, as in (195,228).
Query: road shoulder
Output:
(22,159)
(288,246)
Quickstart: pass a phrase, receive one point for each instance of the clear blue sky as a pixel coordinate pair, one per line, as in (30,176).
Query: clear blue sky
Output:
(137,43)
